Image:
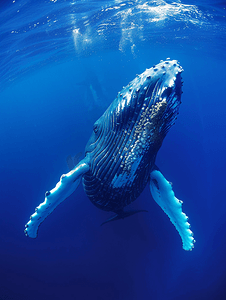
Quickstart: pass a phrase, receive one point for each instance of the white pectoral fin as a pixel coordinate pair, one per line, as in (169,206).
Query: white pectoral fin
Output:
(63,189)
(163,194)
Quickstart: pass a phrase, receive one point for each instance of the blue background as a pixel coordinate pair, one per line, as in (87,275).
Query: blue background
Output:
(48,114)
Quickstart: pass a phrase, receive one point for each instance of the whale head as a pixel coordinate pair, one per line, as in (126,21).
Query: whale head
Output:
(143,111)
(126,138)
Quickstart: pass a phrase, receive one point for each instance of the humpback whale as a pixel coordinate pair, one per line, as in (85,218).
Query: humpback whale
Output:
(121,152)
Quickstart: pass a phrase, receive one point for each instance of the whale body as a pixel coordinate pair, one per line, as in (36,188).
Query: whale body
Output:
(121,152)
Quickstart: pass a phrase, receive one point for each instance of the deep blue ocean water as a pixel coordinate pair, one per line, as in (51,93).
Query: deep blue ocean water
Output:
(61,64)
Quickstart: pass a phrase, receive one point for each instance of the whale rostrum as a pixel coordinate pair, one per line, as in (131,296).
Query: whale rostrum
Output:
(121,152)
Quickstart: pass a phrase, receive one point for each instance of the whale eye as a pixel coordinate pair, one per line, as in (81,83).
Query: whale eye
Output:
(95,128)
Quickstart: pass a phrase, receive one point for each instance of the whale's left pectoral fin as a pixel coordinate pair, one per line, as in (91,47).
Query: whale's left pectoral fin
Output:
(64,188)
(163,194)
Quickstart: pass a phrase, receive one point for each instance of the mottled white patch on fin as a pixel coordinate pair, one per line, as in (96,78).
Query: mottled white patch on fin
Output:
(162,192)
(63,189)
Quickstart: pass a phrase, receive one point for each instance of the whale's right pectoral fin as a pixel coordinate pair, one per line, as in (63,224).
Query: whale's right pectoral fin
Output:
(163,194)
(64,188)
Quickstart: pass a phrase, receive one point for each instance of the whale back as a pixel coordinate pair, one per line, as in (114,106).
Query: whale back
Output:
(126,138)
